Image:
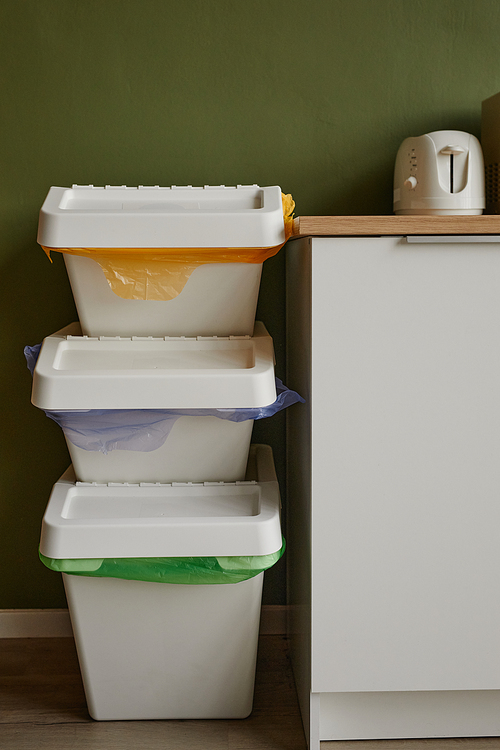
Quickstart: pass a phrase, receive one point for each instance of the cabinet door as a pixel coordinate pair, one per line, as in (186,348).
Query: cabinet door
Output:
(405,465)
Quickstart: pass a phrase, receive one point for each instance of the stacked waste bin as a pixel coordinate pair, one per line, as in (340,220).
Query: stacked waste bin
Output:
(168,516)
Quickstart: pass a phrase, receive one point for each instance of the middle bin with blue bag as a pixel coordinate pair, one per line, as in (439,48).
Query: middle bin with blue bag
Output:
(147,409)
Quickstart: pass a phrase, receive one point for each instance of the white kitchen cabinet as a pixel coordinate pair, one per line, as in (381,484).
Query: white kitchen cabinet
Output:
(393,485)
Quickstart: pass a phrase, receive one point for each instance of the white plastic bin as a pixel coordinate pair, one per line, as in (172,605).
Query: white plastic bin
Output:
(128,250)
(165,651)
(198,449)
(158,650)
(78,373)
(218,299)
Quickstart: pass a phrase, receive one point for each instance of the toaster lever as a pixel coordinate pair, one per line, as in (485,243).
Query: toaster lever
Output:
(452,150)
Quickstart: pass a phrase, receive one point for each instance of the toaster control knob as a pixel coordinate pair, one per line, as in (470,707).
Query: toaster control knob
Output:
(411,183)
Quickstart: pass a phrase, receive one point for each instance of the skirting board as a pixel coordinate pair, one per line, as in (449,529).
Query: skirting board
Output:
(35,623)
(55,623)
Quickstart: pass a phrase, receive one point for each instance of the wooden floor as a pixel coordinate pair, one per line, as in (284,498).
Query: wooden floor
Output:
(42,707)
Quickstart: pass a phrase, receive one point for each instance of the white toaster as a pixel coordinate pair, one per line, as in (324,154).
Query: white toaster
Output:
(439,173)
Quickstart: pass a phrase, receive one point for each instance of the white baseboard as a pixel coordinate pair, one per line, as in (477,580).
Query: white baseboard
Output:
(55,623)
(35,623)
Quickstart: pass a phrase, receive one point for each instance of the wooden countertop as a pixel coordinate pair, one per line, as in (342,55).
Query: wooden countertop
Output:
(306,226)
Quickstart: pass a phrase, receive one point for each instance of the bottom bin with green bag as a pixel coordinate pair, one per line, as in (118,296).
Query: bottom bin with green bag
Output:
(164,585)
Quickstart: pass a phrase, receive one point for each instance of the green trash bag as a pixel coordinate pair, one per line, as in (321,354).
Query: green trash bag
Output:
(185,570)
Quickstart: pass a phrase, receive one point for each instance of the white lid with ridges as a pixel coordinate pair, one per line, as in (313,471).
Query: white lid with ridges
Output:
(144,372)
(162,217)
(89,520)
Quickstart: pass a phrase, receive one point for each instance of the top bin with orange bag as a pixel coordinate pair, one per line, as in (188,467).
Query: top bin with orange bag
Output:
(165,261)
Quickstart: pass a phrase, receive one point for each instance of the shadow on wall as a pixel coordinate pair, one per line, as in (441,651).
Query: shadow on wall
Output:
(35,300)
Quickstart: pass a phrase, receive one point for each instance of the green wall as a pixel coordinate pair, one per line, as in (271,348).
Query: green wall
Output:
(313,96)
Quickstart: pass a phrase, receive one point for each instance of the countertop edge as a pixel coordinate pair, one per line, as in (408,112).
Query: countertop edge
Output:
(306,226)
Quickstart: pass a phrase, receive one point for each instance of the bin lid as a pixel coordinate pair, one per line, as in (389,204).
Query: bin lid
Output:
(162,217)
(211,519)
(145,372)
